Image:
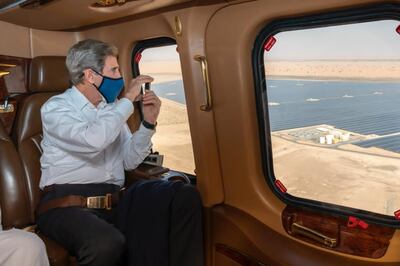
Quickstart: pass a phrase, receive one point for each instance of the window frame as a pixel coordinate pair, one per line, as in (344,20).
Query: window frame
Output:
(139,48)
(145,44)
(343,17)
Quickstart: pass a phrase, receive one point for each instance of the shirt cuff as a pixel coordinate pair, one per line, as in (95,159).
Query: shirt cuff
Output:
(142,140)
(145,131)
(125,107)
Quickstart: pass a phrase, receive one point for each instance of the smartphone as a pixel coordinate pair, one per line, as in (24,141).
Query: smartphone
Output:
(146,88)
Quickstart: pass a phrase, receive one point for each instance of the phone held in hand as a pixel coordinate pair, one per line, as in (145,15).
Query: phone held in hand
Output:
(146,88)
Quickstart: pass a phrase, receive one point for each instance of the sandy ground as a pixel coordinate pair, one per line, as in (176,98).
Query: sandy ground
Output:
(361,70)
(162,71)
(173,137)
(373,70)
(344,177)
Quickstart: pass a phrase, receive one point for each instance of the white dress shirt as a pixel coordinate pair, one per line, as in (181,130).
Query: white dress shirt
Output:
(18,247)
(83,144)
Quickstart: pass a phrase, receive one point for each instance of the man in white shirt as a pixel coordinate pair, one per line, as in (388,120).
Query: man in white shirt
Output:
(18,247)
(86,147)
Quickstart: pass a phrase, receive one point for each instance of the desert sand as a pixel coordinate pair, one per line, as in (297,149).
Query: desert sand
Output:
(343,177)
(353,70)
(162,71)
(173,137)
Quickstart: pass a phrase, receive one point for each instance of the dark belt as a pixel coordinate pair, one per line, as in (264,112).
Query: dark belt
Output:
(96,202)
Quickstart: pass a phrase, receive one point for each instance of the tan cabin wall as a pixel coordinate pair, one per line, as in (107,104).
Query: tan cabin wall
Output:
(28,43)
(15,40)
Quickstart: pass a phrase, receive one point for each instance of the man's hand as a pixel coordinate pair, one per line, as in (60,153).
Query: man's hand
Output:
(151,107)
(134,87)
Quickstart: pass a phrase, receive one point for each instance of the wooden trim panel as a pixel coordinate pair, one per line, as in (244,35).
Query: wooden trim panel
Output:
(370,242)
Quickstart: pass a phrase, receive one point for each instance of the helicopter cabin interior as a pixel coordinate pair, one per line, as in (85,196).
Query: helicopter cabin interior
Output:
(284,114)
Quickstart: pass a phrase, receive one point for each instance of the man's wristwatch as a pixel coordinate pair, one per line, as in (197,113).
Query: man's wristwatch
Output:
(149,125)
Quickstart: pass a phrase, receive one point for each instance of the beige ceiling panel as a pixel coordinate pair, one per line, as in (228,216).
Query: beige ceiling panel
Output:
(14,40)
(64,14)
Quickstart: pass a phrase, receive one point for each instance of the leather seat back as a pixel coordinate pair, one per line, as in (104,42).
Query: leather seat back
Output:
(48,77)
(14,198)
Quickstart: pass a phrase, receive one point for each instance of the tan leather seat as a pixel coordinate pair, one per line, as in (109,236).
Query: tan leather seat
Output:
(14,199)
(48,77)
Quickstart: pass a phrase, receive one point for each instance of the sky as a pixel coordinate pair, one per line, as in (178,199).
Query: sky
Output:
(376,40)
(165,53)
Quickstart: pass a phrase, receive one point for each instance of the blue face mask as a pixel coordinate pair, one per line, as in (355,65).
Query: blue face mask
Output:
(110,88)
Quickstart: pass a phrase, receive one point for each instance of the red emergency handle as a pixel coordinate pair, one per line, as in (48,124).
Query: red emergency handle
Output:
(354,222)
(280,186)
(138,56)
(397,215)
(270,43)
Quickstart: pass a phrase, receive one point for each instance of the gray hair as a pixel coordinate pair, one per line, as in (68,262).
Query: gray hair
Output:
(87,54)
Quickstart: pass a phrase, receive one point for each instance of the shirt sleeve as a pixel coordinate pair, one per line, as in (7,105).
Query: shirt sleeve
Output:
(72,133)
(137,146)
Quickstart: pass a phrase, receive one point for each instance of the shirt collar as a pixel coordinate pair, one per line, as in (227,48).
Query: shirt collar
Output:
(80,100)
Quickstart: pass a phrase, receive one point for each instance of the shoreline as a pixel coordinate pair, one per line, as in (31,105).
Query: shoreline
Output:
(312,70)
(176,77)
(335,70)
(338,79)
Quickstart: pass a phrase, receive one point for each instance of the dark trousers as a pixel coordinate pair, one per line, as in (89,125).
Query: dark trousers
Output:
(156,223)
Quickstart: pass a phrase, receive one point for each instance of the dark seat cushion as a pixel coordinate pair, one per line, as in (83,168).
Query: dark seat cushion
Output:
(58,256)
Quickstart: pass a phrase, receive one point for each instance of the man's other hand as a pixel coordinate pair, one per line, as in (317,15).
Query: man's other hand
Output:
(134,87)
(151,107)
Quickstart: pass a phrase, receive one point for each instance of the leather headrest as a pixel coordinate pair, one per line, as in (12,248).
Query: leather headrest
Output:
(3,132)
(48,74)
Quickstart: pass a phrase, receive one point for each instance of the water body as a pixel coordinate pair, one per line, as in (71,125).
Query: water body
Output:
(357,106)
(172,90)
(361,107)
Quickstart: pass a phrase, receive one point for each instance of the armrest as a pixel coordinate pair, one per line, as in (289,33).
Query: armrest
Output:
(144,171)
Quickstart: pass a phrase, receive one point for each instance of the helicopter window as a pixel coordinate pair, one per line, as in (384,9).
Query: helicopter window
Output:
(330,95)
(159,58)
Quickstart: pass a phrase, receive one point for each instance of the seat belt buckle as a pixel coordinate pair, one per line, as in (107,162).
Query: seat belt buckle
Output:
(99,202)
